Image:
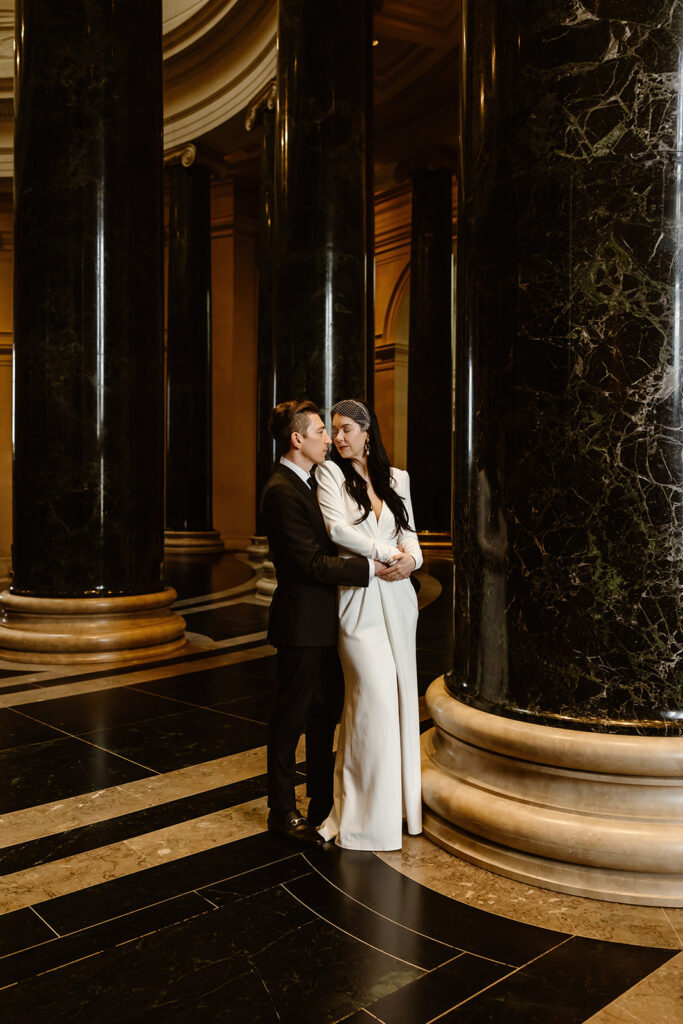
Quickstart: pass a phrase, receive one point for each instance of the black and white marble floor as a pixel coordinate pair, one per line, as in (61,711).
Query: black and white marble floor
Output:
(137,881)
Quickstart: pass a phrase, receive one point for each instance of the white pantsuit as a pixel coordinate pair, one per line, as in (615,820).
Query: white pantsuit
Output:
(377,773)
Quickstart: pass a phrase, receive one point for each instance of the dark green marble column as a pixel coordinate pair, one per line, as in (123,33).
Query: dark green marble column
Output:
(189,471)
(557,751)
(370,7)
(263,116)
(430,367)
(569,436)
(321,175)
(88,399)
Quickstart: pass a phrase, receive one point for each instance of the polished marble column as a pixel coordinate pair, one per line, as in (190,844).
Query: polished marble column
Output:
(189,491)
(88,398)
(322,286)
(430,370)
(370,7)
(262,115)
(568,479)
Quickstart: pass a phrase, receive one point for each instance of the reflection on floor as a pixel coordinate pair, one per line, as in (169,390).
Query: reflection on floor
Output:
(138,882)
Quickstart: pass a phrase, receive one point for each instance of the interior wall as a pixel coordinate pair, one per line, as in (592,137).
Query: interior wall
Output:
(392,287)
(234,339)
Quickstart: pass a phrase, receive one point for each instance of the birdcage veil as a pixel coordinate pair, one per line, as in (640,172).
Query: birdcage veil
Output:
(354,410)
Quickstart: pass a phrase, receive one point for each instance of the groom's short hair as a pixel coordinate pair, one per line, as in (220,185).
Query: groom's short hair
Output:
(289,418)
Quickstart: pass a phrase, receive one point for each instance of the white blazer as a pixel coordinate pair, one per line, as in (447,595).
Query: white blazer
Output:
(374,538)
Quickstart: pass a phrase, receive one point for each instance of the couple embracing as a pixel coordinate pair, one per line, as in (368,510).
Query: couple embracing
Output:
(343,619)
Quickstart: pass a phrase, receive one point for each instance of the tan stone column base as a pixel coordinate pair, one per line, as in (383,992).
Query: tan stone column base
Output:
(587,813)
(257,552)
(63,630)
(266,584)
(192,542)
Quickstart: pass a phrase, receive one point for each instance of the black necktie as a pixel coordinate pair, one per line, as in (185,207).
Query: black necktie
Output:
(312,483)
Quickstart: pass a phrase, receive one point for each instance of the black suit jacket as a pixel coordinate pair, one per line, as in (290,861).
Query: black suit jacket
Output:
(303,612)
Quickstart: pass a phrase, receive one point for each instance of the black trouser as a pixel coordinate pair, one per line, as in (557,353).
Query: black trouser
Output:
(309,699)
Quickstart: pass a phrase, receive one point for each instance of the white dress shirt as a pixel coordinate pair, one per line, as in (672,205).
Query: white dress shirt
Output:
(306,477)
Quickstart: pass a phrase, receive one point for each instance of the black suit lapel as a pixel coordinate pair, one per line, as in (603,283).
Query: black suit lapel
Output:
(295,479)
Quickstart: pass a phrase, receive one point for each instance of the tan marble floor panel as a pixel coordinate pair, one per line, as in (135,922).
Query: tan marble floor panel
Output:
(188,837)
(657,999)
(190,602)
(428,864)
(72,874)
(675,918)
(44,882)
(250,638)
(21,698)
(32,677)
(50,819)
(101,805)
(212,603)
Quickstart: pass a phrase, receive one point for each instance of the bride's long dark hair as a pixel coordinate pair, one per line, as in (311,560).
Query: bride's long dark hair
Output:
(379,468)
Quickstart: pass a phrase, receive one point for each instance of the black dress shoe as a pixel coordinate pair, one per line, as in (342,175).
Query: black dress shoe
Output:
(292,826)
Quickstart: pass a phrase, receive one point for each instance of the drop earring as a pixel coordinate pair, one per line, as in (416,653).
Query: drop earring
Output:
(367,447)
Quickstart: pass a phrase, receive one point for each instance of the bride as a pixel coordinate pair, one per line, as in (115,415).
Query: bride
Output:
(367,511)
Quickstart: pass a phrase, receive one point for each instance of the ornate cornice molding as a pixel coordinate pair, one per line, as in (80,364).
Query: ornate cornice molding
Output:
(185,155)
(266,100)
(193,153)
(220,54)
(186,22)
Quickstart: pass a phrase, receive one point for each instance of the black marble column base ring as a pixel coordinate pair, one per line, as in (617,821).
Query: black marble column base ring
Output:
(586,813)
(65,630)
(189,542)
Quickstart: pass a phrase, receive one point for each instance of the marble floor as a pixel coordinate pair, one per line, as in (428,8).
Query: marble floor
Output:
(138,882)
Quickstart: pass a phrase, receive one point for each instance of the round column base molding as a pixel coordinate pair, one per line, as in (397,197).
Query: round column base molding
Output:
(66,630)
(612,886)
(257,552)
(191,542)
(266,585)
(591,814)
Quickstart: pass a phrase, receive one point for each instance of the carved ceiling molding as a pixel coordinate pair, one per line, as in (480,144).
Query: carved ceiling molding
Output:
(215,62)
(414,38)
(185,21)
(425,22)
(219,55)
(6,87)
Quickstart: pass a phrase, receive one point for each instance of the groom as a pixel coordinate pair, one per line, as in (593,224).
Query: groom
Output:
(303,621)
